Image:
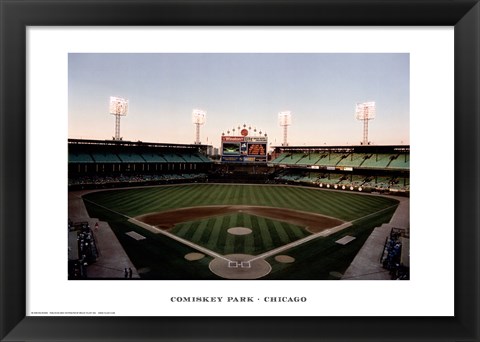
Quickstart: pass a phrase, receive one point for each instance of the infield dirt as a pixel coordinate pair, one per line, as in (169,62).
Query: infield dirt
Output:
(314,223)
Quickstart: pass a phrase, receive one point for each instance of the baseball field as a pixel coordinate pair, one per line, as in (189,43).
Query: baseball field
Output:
(235,231)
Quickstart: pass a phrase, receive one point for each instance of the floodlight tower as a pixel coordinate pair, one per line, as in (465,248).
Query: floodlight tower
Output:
(365,112)
(118,107)
(285,120)
(198,118)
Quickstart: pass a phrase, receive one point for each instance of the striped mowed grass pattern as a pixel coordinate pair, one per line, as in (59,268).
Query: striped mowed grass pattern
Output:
(212,233)
(165,257)
(138,201)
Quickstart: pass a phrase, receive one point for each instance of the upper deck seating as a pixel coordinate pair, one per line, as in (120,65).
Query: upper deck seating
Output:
(292,158)
(330,159)
(401,161)
(358,180)
(309,159)
(377,161)
(279,158)
(352,160)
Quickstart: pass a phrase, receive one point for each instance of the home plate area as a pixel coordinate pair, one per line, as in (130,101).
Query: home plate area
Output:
(240,266)
(300,226)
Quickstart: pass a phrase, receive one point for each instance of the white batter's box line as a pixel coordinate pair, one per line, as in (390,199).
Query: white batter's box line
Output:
(239,264)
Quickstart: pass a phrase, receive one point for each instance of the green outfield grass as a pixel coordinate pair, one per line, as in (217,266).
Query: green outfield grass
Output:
(159,257)
(343,205)
(318,258)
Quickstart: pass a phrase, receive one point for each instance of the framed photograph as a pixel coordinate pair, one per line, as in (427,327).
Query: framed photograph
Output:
(141,123)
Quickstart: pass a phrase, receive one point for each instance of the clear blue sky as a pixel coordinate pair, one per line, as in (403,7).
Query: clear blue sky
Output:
(320,90)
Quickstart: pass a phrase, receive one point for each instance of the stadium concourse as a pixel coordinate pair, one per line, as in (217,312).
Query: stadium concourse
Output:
(107,164)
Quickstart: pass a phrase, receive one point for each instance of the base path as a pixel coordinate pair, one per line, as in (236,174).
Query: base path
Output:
(177,238)
(168,219)
(240,266)
(233,266)
(299,242)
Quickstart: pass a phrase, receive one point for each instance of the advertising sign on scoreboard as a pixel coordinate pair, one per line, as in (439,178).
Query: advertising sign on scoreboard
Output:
(244,149)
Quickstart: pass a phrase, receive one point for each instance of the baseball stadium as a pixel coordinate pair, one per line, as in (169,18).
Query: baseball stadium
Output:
(238,203)
(176,211)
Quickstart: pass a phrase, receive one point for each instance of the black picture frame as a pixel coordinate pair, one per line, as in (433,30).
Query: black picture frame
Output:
(17,15)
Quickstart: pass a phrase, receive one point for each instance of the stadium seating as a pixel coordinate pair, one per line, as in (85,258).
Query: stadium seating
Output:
(292,159)
(383,182)
(309,159)
(330,159)
(136,178)
(343,181)
(400,184)
(279,158)
(371,168)
(330,178)
(399,162)
(376,161)
(100,164)
(352,160)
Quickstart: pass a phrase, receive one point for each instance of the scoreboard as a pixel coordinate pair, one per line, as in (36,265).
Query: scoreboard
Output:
(244,149)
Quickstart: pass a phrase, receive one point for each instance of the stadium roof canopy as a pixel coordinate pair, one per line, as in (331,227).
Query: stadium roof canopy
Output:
(132,143)
(345,149)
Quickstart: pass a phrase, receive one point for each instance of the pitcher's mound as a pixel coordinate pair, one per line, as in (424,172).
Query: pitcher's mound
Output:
(194,256)
(238,266)
(239,231)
